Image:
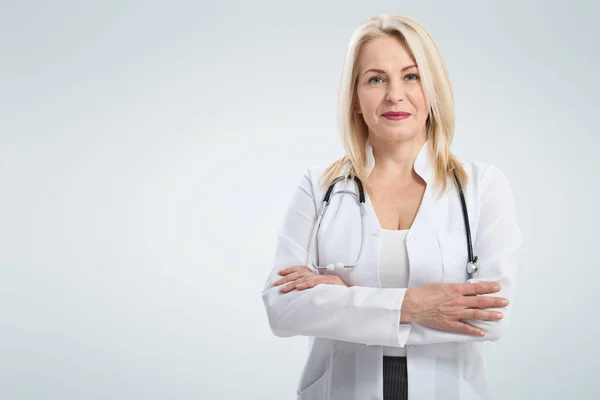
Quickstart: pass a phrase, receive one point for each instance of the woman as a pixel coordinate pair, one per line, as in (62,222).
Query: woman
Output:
(408,321)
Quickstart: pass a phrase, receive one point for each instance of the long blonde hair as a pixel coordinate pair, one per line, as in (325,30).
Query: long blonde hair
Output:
(438,94)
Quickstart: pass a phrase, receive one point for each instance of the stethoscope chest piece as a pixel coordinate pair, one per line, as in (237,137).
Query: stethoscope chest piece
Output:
(473,267)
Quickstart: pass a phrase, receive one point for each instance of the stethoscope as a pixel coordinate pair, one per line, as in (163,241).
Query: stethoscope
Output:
(473,261)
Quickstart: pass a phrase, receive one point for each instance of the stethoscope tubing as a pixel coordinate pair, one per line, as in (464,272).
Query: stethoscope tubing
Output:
(472,265)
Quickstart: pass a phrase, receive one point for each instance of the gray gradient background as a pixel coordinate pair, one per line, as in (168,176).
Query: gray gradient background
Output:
(148,151)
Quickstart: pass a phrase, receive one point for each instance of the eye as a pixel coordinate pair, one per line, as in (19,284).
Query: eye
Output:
(415,76)
(374,77)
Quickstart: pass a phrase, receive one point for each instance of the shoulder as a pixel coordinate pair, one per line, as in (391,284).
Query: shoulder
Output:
(310,180)
(483,173)
(312,174)
(315,172)
(486,179)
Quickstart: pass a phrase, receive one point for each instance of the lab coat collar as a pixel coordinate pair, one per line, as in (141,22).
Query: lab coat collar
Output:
(423,163)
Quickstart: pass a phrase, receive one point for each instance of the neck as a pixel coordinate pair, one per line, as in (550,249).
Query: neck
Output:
(395,159)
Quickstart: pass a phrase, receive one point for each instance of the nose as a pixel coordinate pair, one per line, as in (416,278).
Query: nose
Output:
(395,92)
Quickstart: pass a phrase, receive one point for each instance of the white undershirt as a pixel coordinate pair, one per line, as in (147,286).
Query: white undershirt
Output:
(393,270)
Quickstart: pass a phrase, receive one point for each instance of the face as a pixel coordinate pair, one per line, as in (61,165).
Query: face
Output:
(389,82)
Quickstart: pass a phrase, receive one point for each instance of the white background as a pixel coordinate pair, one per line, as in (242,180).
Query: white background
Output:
(148,151)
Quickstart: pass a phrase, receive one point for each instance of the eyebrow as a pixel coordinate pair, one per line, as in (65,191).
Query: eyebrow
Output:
(383,72)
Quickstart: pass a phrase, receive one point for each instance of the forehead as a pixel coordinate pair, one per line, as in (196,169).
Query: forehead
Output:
(385,52)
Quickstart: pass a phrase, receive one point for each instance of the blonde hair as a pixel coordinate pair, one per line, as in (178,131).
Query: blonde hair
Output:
(438,95)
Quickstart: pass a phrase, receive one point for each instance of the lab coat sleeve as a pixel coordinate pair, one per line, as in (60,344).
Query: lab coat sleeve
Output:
(498,243)
(356,314)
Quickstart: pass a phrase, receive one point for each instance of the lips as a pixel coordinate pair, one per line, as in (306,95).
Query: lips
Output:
(396,114)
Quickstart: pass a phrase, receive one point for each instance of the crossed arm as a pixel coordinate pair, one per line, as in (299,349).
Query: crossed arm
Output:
(323,306)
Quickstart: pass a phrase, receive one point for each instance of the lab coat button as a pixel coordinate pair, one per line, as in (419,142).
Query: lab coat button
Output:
(410,238)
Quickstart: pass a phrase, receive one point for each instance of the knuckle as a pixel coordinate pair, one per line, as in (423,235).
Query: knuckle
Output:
(455,288)
(481,302)
(455,301)
(480,288)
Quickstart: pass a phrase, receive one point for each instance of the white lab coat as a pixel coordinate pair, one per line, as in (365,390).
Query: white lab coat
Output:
(347,327)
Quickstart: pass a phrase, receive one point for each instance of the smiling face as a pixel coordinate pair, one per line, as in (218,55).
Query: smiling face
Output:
(388,82)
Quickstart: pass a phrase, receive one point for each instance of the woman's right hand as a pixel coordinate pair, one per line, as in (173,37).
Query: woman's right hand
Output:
(443,305)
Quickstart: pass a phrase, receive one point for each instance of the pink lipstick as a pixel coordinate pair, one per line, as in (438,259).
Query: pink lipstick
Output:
(396,115)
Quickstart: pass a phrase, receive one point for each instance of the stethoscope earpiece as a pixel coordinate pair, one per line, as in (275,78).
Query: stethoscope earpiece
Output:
(332,267)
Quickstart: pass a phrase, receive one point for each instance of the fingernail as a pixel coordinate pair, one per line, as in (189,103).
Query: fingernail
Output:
(497,287)
(505,302)
(499,315)
(481,333)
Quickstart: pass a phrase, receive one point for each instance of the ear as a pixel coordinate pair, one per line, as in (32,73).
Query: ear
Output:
(357,107)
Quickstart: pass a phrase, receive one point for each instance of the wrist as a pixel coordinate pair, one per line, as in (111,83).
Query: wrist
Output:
(406,310)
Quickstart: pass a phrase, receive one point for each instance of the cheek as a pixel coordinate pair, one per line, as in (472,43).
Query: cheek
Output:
(369,100)
(370,105)
(417,98)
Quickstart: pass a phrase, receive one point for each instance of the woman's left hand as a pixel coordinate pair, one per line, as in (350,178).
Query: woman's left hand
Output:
(301,278)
